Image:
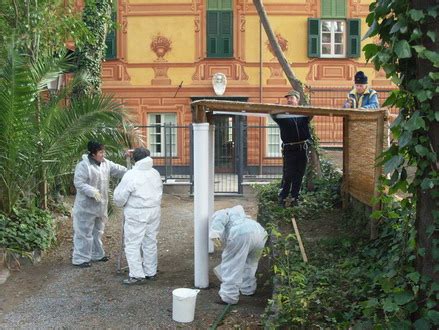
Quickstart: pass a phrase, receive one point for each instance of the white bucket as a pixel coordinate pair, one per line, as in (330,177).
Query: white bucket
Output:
(183,304)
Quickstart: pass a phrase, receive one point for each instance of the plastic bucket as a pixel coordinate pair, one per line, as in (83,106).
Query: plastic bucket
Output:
(183,304)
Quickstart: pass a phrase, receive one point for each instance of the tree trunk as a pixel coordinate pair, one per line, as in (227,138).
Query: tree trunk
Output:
(294,81)
(426,202)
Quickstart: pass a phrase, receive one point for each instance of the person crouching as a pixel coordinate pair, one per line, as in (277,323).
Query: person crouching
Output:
(244,240)
(140,193)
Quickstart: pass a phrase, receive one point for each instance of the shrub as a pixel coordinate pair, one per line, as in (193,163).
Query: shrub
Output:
(26,230)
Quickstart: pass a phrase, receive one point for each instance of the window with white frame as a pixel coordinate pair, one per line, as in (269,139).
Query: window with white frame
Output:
(333,37)
(162,134)
(273,139)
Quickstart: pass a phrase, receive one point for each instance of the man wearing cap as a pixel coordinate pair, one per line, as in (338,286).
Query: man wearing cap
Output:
(361,97)
(294,132)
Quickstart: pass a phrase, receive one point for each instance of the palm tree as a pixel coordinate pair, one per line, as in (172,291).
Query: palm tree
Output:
(37,135)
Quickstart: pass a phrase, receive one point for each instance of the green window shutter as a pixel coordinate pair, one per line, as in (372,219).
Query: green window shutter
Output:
(313,37)
(110,40)
(333,8)
(219,5)
(212,33)
(213,4)
(226,34)
(326,6)
(219,33)
(354,37)
(339,8)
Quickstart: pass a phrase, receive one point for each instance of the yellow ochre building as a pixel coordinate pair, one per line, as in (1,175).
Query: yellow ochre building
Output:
(165,53)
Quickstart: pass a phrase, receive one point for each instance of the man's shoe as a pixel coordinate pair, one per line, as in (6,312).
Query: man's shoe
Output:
(133,280)
(83,265)
(103,259)
(281,203)
(151,278)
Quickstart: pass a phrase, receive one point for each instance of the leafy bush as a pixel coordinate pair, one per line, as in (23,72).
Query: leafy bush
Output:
(349,281)
(26,230)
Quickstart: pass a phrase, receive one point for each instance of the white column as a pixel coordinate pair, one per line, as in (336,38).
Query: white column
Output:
(201,204)
(211,180)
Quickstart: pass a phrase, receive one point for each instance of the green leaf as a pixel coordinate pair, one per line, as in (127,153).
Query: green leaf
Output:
(390,306)
(426,183)
(421,150)
(402,298)
(416,15)
(415,122)
(405,139)
(372,30)
(370,50)
(414,277)
(434,76)
(432,56)
(436,115)
(395,28)
(402,49)
(433,316)
(419,49)
(393,164)
(432,35)
(422,324)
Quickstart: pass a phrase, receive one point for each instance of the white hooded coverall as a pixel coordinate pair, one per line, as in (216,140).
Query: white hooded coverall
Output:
(244,240)
(89,215)
(140,193)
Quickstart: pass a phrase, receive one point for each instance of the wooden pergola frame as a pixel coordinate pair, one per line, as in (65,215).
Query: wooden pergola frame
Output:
(353,121)
(364,137)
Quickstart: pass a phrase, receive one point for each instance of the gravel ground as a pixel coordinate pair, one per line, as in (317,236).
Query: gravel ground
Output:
(54,294)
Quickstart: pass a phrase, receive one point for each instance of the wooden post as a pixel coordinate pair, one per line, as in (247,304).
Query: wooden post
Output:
(345,184)
(378,171)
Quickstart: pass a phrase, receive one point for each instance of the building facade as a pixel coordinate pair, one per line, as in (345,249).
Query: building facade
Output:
(165,53)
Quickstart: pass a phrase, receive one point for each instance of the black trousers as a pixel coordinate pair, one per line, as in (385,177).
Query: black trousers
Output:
(294,166)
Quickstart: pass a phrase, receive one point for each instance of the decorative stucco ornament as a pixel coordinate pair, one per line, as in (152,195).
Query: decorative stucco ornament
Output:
(219,82)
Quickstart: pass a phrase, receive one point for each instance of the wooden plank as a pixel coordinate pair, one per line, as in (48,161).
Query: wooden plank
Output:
(243,107)
(345,184)
(299,240)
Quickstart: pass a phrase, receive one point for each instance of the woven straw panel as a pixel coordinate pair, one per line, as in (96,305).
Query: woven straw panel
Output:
(362,155)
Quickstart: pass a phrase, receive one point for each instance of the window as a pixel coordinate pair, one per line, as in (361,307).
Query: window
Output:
(333,36)
(219,18)
(162,134)
(273,139)
(110,41)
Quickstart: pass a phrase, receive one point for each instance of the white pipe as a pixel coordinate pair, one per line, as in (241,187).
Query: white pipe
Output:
(211,179)
(201,205)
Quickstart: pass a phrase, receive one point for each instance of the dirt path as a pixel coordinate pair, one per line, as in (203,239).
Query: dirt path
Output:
(55,294)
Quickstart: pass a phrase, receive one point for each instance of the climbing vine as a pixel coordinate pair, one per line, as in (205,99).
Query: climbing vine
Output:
(97,17)
(407,51)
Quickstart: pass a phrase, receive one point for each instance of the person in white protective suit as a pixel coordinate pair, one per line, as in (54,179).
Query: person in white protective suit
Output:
(244,240)
(91,180)
(140,193)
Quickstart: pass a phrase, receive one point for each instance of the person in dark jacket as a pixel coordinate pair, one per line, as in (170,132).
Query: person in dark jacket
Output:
(362,97)
(294,133)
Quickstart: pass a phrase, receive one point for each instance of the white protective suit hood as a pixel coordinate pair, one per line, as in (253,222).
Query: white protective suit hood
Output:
(140,187)
(223,220)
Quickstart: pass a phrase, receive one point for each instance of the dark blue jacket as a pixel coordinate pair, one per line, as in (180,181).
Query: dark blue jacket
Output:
(294,128)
